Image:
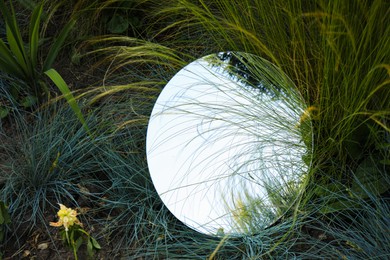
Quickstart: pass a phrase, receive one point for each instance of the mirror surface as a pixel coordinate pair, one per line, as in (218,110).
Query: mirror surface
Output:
(225,144)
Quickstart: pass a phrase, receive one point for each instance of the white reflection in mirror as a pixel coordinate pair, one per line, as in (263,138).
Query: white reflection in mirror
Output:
(224,146)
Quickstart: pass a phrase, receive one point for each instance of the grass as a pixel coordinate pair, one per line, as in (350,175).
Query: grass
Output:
(42,164)
(335,52)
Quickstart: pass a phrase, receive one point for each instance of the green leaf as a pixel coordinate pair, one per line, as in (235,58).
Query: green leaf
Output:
(16,46)
(90,247)
(5,218)
(34,34)
(95,243)
(63,87)
(369,179)
(385,161)
(8,63)
(78,242)
(4,111)
(29,101)
(56,46)
(118,24)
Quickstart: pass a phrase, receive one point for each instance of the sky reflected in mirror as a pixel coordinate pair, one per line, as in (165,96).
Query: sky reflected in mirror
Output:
(224,146)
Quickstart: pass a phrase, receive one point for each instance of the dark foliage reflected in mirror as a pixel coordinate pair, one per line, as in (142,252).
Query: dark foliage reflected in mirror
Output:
(228,145)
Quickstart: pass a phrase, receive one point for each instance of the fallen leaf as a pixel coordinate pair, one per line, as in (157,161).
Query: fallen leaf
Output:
(26,253)
(43,246)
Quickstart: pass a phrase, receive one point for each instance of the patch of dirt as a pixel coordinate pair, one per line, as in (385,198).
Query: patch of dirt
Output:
(48,244)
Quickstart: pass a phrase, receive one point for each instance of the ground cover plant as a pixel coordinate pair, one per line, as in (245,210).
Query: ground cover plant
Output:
(20,60)
(336,53)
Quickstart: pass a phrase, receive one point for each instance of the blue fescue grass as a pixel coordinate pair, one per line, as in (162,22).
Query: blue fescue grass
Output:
(50,159)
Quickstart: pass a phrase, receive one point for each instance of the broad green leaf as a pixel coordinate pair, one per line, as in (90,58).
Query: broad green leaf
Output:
(95,243)
(79,242)
(34,34)
(63,87)
(5,53)
(91,245)
(56,46)
(369,179)
(386,161)
(29,101)
(118,24)
(64,236)
(8,63)
(4,111)
(16,46)
(4,214)
(90,248)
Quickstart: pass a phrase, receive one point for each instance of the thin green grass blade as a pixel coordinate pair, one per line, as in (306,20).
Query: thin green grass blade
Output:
(34,34)
(55,48)
(63,87)
(144,87)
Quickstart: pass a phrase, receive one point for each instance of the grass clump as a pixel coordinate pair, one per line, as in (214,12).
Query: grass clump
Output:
(45,164)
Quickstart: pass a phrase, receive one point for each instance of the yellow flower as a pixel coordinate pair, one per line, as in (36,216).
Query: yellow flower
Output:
(68,217)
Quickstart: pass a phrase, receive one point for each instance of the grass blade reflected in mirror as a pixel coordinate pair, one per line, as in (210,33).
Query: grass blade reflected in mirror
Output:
(223,135)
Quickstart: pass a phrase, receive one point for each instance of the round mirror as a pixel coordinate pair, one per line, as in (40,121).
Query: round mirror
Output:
(227,143)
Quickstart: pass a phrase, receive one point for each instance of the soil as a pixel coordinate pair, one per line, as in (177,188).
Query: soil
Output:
(43,245)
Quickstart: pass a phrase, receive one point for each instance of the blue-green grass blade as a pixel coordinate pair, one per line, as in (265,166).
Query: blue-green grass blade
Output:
(63,87)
